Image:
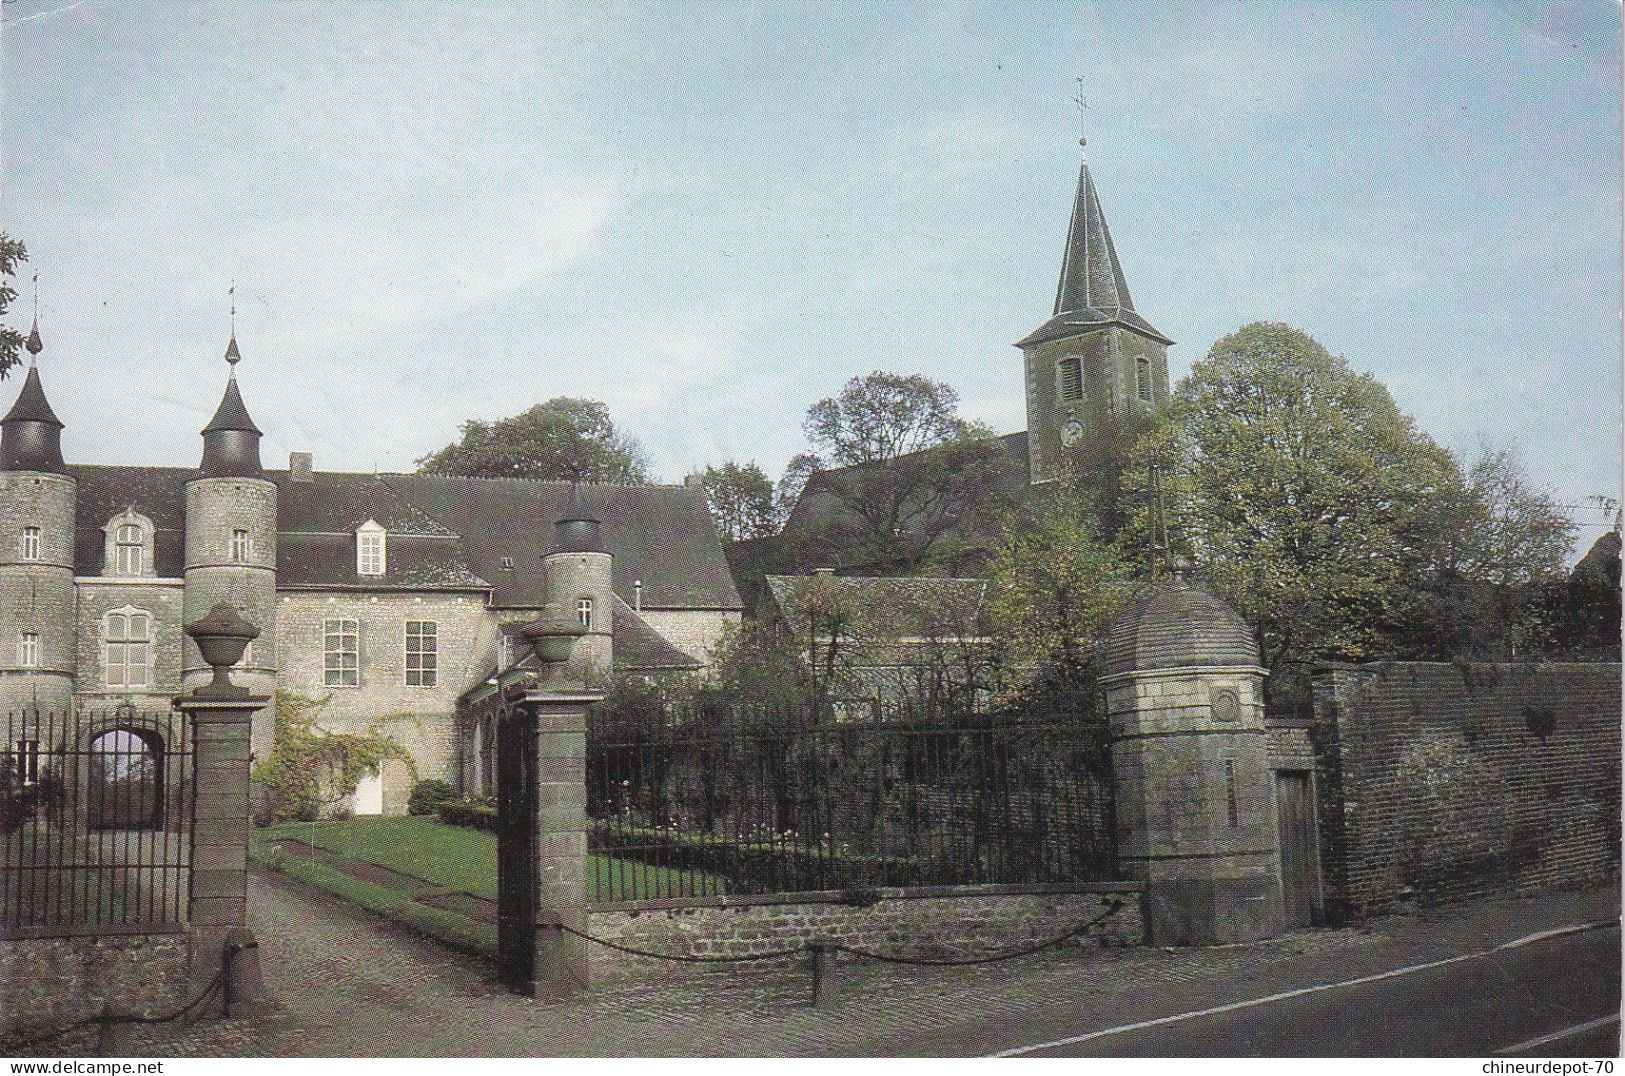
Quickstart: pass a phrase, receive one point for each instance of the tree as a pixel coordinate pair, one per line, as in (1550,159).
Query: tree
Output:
(903,473)
(741,500)
(1302,492)
(789,488)
(1052,585)
(561,440)
(12,254)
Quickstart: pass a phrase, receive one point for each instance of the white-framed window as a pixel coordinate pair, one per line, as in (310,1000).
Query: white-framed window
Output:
(422,653)
(584,612)
(504,652)
(1069,378)
(369,549)
(25,761)
(127,648)
(28,544)
(129,547)
(341,653)
(1142,378)
(28,649)
(242,547)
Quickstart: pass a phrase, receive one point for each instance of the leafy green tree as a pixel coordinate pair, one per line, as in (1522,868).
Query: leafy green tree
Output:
(12,255)
(741,500)
(1053,583)
(563,439)
(906,476)
(1302,492)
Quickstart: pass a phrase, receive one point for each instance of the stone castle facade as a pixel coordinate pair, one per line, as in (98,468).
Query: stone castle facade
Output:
(387,596)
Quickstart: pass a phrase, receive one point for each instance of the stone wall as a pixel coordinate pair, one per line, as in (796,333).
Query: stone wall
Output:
(1443,782)
(164,599)
(938,923)
(420,719)
(49,982)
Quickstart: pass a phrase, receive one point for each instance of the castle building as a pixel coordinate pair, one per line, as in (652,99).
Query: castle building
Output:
(387,596)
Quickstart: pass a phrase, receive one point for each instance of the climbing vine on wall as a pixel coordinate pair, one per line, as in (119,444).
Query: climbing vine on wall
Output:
(312,768)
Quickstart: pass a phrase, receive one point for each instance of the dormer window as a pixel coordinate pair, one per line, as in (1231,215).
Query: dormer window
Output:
(128,548)
(369,549)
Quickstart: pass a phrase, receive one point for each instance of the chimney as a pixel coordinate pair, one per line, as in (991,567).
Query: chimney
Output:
(300,466)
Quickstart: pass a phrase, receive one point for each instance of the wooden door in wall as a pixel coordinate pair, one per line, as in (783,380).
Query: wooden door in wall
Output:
(1300,847)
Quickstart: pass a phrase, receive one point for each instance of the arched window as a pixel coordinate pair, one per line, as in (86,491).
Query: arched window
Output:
(369,549)
(127,648)
(1142,378)
(128,551)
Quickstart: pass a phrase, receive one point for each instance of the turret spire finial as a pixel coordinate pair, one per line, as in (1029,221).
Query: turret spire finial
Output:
(233,356)
(33,343)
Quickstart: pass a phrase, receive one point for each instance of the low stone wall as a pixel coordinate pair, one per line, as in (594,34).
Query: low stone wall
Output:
(1445,782)
(50,982)
(943,922)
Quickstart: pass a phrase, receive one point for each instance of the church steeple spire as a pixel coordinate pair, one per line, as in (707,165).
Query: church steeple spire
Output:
(1092,292)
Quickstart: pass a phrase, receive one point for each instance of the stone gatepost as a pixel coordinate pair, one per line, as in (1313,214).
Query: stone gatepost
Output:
(1195,796)
(559,714)
(221,717)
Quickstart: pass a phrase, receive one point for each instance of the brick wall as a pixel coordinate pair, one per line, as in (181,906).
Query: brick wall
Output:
(936,923)
(49,982)
(1443,782)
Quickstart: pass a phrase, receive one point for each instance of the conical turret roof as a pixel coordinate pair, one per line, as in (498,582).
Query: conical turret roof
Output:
(231,414)
(1092,292)
(31,405)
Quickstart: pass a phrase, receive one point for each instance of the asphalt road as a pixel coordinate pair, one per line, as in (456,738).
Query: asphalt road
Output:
(1472,1008)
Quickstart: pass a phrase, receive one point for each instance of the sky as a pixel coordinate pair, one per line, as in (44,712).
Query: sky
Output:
(711,215)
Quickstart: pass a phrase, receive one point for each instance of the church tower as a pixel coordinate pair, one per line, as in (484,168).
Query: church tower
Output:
(38,500)
(1096,368)
(231,548)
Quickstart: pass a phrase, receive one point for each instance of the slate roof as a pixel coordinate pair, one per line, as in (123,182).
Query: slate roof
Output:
(817,534)
(1092,292)
(1175,625)
(445,533)
(884,607)
(31,405)
(663,535)
(638,647)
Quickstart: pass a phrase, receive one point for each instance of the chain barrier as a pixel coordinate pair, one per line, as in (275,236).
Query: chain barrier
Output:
(109,1015)
(1112,908)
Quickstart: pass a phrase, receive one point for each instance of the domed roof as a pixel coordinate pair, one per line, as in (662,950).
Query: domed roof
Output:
(1175,625)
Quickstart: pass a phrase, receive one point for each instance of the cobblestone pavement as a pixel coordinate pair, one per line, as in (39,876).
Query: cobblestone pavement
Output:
(347,983)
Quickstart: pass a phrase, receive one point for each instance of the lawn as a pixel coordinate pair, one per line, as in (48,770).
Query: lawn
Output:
(454,857)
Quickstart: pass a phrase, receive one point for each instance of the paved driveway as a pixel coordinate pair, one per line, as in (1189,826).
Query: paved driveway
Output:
(350,984)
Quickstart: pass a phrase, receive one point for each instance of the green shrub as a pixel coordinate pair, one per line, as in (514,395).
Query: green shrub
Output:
(427,796)
(473,814)
(311,769)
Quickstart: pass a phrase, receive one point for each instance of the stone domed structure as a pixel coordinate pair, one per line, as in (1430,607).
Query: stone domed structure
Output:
(1177,626)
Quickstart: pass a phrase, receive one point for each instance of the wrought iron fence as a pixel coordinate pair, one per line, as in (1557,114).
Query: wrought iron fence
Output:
(705,801)
(95,821)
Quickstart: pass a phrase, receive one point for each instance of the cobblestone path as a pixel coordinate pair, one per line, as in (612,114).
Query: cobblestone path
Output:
(348,983)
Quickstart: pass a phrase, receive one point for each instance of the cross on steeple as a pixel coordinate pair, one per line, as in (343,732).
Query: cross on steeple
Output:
(1083,115)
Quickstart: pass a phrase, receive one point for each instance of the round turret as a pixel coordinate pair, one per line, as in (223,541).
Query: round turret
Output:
(1177,626)
(579,571)
(38,502)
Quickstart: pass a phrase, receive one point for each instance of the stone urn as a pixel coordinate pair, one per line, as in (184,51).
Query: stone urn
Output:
(222,635)
(553,636)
